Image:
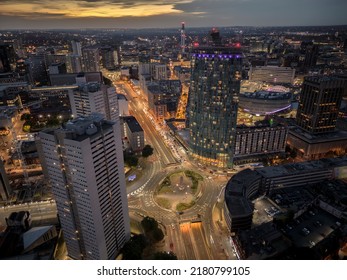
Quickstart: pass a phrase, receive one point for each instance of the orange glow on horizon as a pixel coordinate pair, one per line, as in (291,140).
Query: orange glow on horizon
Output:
(76,9)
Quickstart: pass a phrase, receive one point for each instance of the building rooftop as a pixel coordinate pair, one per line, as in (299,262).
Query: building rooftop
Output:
(263,242)
(133,124)
(264,94)
(245,184)
(13,85)
(90,87)
(82,128)
(33,234)
(235,191)
(121,96)
(301,167)
(48,88)
(318,138)
(320,79)
(261,125)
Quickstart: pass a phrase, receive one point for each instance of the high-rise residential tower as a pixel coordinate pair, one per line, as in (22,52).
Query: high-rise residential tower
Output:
(91,59)
(213,101)
(94,97)
(84,164)
(319,104)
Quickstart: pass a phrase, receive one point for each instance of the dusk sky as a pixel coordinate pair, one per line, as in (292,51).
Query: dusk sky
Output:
(27,14)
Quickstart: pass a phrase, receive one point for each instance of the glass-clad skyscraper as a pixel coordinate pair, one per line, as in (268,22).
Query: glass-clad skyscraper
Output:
(213,99)
(320,100)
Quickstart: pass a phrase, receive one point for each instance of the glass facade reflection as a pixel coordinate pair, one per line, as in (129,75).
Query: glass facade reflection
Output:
(213,101)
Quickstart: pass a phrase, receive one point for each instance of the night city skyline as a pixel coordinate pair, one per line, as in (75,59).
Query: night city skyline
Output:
(173,130)
(63,14)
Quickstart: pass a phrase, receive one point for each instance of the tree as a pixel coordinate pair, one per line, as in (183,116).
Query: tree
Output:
(149,224)
(157,235)
(147,151)
(131,160)
(133,249)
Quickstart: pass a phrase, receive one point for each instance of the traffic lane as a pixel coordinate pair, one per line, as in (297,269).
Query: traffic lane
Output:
(188,245)
(199,241)
(139,114)
(174,241)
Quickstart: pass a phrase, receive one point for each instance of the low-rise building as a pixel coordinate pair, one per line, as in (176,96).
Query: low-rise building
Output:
(133,133)
(258,141)
(305,209)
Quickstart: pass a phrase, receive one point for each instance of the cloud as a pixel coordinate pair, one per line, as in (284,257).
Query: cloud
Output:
(90,8)
(155,13)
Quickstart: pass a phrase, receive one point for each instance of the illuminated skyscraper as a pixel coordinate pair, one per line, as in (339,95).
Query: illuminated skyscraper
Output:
(319,103)
(213,102)
(84,164)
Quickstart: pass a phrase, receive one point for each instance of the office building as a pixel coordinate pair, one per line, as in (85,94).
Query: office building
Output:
(9,93)
(38,69)
(163,97)
(73,63)
(248,185)
(316,146)
(91,60)
(107,57)
(94,98)
(54,59)
(271,74)
(213,102)
(57,68)
(311,52)
(7,57)
(319,104)
(84,164)
(133,133)
(123,105)
(75,78)
(260,140)
(156,71)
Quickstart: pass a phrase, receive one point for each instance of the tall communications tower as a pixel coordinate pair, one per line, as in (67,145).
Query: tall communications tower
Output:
(183,38)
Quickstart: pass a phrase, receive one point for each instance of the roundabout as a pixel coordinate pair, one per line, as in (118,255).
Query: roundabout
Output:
(178,190)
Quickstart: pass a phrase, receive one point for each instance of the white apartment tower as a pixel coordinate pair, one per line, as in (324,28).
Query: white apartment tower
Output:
(94,98)
(84,164)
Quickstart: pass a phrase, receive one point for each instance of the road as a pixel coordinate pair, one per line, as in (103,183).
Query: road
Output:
(137,107)
(192,235)
(184,236)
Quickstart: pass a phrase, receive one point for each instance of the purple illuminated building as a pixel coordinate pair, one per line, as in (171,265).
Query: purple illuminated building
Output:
(213,102)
